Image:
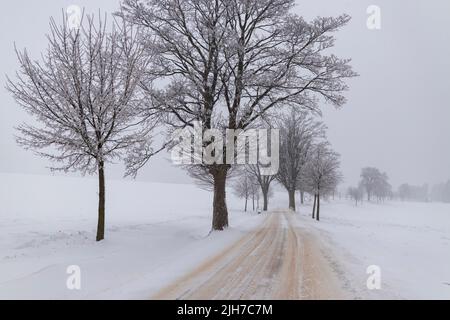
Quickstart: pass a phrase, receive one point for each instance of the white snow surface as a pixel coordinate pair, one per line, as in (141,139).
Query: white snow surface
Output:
(157,232)
(408,241)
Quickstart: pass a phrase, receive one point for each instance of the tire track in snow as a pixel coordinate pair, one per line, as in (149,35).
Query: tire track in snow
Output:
(278,260)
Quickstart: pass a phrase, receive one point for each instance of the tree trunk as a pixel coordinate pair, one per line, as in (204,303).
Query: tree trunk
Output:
(302,197)
(246,199)
(253,202)
(101,202)
(318,207)
(265,199)
(314,206)
(292,200)
(220,211)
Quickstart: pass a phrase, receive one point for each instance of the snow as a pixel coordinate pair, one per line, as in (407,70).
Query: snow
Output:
(409,241)
(157,232)
(48,224)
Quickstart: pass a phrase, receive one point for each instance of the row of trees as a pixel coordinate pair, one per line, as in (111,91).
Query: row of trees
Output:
(441,192)
(322,174)
(98,92)
(248,187)
(307,163)
(407,192)
(374,184)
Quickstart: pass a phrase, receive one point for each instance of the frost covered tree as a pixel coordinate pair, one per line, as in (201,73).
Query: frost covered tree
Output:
(369,176)
(404,192)
(383,189)
(322,174)
(202,178)
(84,99)
(264,182)
(245,187)
(356,193)
(227,63)
(299,132)
(375,183)
(255,193)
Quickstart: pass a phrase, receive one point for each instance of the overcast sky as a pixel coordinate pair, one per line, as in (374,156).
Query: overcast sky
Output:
(397,117)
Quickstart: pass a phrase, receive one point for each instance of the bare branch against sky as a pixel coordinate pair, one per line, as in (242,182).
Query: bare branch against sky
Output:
(396,117)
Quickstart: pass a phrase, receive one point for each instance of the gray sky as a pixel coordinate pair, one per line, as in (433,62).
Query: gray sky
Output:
(397,115)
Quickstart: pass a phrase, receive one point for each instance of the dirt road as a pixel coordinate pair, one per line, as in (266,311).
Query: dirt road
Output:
(278,260)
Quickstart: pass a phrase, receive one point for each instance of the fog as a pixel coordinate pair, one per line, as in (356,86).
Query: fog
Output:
(396,118)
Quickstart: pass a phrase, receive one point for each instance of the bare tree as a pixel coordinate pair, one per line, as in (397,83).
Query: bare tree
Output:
(404,191)
(245,187)
(264,182)
(84,97)
(202,178)
(383,189)
(298,132)
(229,62)
(301,191)
(356,193)
(255,193)
(322,174)
(375,182)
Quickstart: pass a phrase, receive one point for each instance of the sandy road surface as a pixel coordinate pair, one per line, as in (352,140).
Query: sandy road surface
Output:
(278,260)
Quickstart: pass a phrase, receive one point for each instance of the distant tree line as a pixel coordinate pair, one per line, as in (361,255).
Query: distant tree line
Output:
(441,192)
(438,193)
(407,192)
(374,186)
(307,163)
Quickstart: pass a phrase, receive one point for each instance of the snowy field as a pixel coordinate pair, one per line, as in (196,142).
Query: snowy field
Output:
(410,242)
(48,224)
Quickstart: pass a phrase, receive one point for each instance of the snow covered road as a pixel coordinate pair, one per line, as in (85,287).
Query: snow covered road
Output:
(278,260)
